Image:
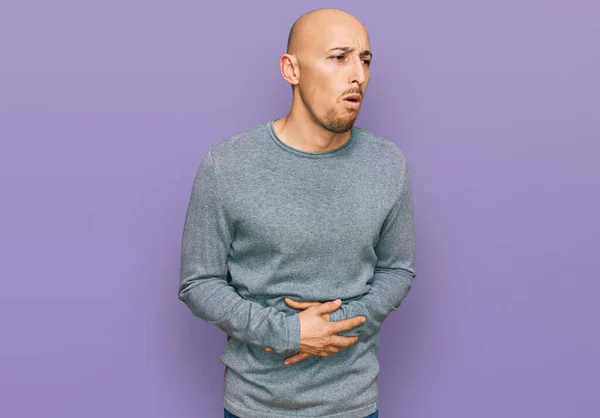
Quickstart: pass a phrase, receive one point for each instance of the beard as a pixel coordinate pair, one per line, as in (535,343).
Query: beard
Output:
(337,122)
(334,120)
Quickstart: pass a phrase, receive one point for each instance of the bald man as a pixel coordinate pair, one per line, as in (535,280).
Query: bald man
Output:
(299,238)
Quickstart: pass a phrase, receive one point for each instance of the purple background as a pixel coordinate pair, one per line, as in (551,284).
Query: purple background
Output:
(106,110)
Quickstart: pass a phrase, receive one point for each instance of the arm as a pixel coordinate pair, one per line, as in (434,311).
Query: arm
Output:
(207,237)
(394,270)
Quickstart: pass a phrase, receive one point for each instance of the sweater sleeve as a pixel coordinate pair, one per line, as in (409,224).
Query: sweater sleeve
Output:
(394,269)
(207,237)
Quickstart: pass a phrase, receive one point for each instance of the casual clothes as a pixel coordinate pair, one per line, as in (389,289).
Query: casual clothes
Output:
(311,226)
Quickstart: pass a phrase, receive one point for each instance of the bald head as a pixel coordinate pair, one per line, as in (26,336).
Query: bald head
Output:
(311,27)
(327,64)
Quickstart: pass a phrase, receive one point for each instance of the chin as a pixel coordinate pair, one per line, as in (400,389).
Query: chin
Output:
(339,128)
(338,122)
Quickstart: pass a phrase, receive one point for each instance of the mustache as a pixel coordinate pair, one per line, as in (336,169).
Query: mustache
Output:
(353,91)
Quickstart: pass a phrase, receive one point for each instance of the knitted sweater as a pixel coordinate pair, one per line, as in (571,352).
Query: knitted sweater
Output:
(267,221)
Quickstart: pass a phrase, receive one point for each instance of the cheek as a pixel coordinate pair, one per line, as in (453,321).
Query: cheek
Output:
(323,82)
(320,96)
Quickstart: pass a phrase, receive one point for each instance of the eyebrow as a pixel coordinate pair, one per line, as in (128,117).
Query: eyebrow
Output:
(366,52)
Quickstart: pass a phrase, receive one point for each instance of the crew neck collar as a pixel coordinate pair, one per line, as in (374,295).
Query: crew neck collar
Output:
(307,154)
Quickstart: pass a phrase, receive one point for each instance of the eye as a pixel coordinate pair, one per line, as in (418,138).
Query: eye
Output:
(368,62)
(341,57)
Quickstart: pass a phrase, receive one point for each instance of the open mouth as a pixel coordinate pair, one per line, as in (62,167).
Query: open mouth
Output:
(352,101)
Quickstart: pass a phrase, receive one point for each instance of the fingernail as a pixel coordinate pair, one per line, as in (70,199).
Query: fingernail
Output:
(337,301)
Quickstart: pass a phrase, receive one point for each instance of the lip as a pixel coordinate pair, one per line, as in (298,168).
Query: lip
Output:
(356,97)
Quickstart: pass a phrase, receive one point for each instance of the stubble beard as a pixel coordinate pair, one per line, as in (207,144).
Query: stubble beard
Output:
(333,120)
(338,123)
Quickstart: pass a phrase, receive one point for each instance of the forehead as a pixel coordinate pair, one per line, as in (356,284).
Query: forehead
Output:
(352,35)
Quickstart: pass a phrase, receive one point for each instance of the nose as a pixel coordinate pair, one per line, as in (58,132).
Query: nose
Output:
(358,72)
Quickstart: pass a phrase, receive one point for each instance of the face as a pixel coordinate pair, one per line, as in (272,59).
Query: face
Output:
(334,69)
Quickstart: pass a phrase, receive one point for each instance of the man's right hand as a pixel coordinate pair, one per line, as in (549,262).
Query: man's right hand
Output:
(318,336)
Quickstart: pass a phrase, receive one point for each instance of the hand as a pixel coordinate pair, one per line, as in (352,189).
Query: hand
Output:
(318,336)
(299,305)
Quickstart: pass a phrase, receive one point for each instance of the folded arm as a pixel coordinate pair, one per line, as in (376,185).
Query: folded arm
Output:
(394,270)
(207,237)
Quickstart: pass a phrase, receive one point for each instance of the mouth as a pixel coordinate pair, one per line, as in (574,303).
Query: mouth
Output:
(353,100)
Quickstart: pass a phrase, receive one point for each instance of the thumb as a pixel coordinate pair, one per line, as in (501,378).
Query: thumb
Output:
(328,306)
(300,305)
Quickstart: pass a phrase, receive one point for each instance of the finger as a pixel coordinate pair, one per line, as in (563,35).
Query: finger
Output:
(341,341)
(327,307)
(269,349)
(331,349)
(296,358)
(300,305)
(346,324)
(326,352)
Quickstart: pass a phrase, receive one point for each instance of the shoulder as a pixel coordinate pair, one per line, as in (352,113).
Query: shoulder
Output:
(239,143)
(382,148)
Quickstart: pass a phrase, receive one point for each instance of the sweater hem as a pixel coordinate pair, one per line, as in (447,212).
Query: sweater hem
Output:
(242,412)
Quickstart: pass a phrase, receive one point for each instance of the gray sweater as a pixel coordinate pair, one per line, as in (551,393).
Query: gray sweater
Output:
(267,221)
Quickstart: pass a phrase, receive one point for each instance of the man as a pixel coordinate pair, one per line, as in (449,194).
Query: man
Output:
(305,211)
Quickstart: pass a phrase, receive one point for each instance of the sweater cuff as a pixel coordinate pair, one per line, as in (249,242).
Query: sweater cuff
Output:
(292,323)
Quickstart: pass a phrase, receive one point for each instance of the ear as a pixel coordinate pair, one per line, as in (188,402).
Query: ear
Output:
(290,71)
